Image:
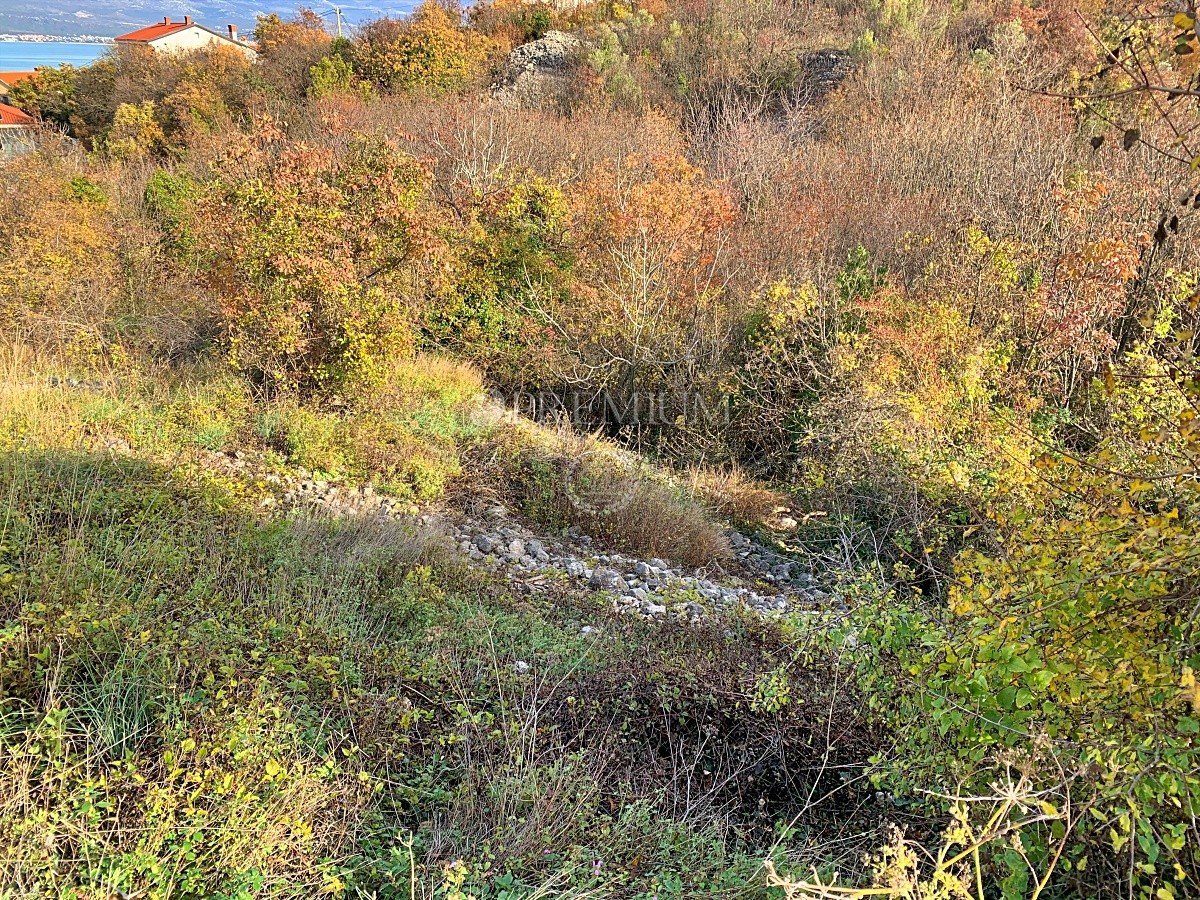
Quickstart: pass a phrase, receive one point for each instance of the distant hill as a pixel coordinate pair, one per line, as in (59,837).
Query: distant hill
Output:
(112,17)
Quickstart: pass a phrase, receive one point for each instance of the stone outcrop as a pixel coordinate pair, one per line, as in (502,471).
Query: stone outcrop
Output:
(537,73)
(823,71)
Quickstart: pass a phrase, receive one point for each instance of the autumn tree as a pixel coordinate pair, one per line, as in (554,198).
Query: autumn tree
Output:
(315,254)
(431,50)
(50,95)
(650,310)
(288,50)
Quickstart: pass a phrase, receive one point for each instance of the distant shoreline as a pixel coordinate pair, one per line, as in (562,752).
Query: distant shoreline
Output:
(55,39)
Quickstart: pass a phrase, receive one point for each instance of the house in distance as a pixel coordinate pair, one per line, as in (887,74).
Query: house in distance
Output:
(16,132)
(172,37)
(8,80)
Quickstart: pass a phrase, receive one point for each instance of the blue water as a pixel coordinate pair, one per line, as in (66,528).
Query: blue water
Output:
(24,56)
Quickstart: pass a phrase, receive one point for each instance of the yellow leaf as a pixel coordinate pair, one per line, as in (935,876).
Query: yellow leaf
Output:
(1048,808)
(1183,21)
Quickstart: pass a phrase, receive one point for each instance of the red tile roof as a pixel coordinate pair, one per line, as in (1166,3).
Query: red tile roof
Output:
(154,32)
(11,78)
(10,115)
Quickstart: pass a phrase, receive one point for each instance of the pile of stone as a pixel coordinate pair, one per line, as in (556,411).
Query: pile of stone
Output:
(768,582)
(653,587)
(536,73)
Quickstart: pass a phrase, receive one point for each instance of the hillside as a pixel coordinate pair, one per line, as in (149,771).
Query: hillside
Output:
(660,450)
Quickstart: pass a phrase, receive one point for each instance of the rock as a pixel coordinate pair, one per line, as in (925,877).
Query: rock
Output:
(824,70)
(497,512)
(607,580)
(576,569)
(485,544)
(521,667)
(538,72)
(653,609)
(642,570)
(517,548)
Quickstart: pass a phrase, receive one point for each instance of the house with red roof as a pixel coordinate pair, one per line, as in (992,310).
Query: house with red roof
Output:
(173,37)
(9,79)
(16,132)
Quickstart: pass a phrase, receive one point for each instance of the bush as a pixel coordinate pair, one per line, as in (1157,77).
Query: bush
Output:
(428,51)
(289,52)
(135,132)
(315,257)
(511,257)
(60,268)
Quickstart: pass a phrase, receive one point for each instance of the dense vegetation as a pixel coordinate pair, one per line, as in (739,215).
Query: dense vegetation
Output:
(933,291)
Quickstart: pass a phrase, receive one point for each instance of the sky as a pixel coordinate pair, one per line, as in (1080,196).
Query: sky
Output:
(108,18)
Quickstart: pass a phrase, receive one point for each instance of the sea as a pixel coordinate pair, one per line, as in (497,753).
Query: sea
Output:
(24,56)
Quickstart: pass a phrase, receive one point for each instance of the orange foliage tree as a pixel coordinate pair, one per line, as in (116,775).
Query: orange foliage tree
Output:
(431,50)
(287,51)
(315,254)
(650,310)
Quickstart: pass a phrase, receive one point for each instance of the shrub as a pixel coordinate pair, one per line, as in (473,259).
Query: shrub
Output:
(330,75)
(135,132)
(733,496)
(60,274)
(315,256)
(649,312)
(428,51)
(510,258)
(289,52)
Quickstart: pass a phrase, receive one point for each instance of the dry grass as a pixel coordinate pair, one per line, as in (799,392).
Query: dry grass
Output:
(735,496)
(559,479)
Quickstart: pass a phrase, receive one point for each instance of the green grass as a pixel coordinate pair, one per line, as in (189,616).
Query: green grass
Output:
(200,700)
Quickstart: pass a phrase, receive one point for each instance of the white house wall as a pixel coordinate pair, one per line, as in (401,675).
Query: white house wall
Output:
(194,38)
